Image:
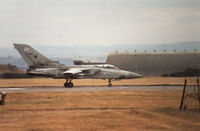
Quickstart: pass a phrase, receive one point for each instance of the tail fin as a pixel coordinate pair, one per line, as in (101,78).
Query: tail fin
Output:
(33,58)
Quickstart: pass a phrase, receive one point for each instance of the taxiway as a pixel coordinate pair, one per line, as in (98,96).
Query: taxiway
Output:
(91,89)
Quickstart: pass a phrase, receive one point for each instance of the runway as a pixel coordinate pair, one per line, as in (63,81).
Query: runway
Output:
(91,89)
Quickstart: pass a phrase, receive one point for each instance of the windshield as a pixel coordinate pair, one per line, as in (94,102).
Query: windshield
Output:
(108,66)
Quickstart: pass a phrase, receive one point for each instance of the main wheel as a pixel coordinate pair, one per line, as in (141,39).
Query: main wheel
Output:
(109,85)
(66,85)
(71,84)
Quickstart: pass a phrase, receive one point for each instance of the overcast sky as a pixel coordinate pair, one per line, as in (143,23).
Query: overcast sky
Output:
(95,22)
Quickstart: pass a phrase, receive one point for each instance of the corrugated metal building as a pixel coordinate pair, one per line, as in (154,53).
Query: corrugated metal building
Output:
(155,63)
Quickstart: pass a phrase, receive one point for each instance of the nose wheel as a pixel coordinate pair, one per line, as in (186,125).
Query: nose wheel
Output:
(109,83)
(68,83)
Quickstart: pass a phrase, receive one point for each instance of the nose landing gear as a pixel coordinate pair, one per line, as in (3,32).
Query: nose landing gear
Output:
(109,83)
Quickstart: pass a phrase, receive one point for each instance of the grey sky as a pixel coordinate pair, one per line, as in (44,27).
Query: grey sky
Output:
(77,22)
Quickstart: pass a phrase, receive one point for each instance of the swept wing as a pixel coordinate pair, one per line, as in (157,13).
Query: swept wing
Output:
(81,71)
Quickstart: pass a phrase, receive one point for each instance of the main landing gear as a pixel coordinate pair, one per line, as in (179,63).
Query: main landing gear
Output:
(109,83)
(68,83)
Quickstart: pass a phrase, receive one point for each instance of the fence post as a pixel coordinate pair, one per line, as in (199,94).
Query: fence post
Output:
(183,94)
(198,89)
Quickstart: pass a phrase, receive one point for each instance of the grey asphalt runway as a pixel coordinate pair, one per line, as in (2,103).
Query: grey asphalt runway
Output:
(91,89)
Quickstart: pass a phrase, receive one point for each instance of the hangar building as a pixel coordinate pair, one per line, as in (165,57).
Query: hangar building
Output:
(155,64)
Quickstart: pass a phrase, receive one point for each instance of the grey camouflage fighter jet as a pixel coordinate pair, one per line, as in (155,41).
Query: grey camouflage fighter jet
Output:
(39,65)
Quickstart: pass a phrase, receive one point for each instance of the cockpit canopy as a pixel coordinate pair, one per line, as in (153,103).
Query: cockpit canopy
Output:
(107,66)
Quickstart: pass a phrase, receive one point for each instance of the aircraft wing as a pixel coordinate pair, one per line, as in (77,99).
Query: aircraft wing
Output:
(81,71)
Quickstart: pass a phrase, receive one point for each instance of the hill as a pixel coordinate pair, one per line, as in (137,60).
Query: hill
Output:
(71,51)
(8,71)
(8,68)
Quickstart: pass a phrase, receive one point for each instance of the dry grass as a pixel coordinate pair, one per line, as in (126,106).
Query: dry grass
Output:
(113,110)
(91,82)
(96,111)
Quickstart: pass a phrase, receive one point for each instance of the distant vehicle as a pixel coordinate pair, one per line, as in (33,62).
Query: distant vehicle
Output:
(39,65)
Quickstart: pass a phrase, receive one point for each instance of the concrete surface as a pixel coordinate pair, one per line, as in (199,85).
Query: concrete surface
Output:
(91,89)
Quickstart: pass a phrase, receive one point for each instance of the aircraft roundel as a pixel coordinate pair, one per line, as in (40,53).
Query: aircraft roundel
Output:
(35,56)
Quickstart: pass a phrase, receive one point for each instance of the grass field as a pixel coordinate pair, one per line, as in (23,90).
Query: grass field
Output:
(91,82)
(97,111)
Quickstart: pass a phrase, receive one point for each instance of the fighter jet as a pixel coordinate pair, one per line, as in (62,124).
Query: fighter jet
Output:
(40,65)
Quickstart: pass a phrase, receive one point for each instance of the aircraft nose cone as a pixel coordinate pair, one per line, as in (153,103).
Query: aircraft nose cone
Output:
(135,75)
